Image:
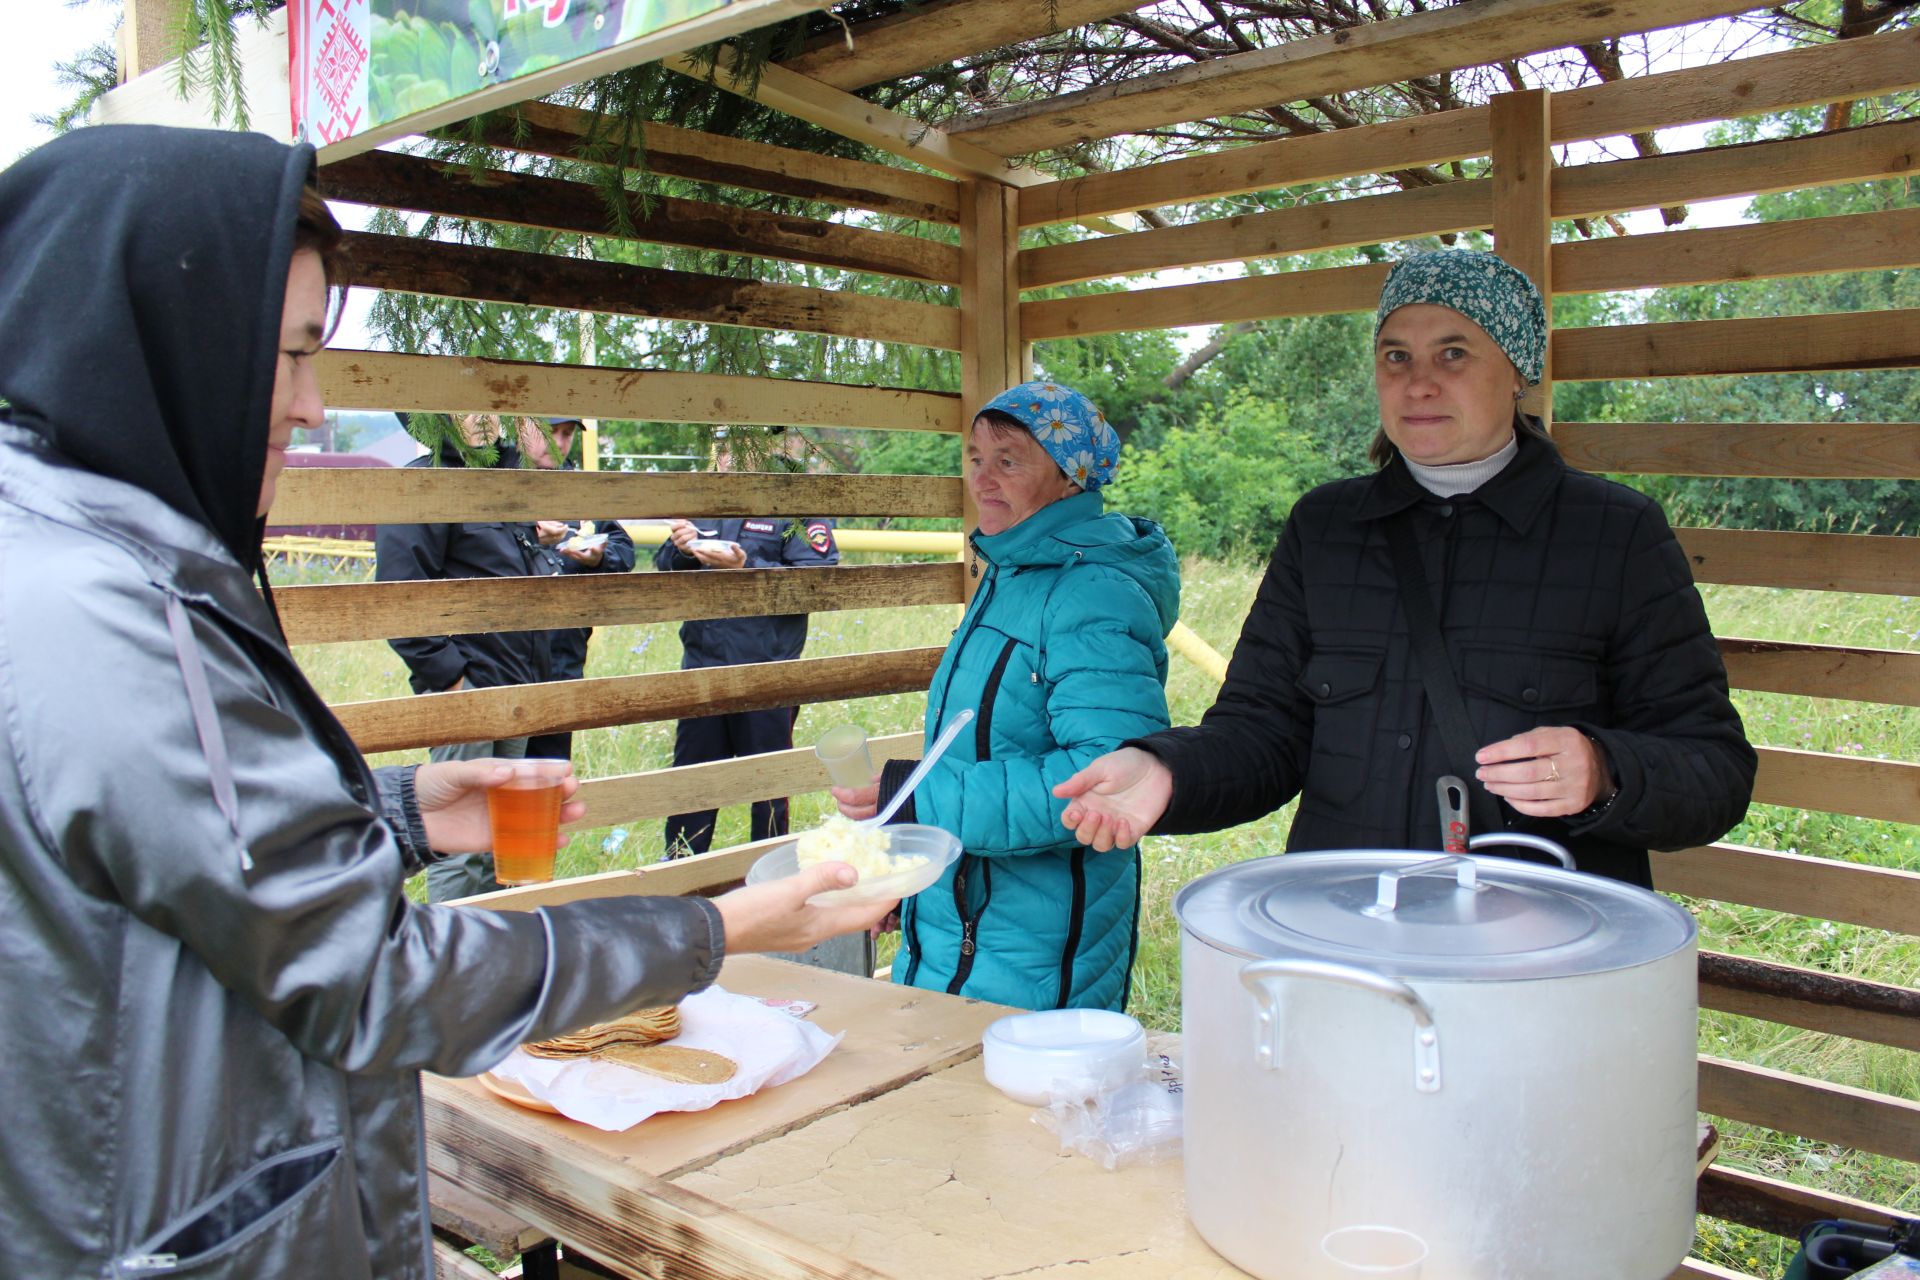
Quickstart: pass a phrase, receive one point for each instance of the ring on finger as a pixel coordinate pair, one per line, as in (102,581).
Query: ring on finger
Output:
(1553,770)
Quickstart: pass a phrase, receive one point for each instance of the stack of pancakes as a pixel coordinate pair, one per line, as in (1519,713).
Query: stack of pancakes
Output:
(635,1041)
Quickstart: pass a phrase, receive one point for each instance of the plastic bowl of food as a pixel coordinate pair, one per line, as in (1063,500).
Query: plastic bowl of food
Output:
(914,858)
(1036,1057)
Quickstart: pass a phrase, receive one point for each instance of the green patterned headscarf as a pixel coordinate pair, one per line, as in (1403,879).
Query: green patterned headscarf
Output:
(1482,287)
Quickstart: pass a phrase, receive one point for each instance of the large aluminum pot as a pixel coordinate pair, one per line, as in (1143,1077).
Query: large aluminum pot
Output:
(1478,1067)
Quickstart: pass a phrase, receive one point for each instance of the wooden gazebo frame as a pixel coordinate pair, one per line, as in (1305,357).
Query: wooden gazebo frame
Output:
(993,328)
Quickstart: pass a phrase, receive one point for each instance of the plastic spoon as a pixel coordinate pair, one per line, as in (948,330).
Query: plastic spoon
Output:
(940,744)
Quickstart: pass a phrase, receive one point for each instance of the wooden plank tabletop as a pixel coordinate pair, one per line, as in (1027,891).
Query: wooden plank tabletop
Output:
(949,1179)
(893,1035)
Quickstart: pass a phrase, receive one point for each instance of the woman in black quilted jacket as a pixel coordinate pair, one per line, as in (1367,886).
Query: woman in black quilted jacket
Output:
(1590,693)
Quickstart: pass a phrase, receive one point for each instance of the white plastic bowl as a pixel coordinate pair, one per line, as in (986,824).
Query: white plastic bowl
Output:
(1036,1057)
(908,840)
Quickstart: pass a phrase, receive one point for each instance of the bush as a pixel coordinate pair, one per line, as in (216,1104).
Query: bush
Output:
(1223,486)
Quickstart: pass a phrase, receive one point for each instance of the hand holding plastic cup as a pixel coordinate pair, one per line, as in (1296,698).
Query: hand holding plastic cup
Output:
(843,750)
(525,814)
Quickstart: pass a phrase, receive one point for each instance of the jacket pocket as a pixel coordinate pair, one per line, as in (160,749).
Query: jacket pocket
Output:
(1531,680)
(274,1219)
(1343,685)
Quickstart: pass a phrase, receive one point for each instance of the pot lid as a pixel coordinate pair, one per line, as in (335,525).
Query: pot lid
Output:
(1464,920)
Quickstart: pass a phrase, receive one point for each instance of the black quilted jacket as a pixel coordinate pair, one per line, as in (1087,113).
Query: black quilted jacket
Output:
(1565,600)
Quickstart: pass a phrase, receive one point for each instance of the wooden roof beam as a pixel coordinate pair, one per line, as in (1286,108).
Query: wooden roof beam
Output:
(1815,74)
(561,132)
(939,32)
(1472,33)
(842,113)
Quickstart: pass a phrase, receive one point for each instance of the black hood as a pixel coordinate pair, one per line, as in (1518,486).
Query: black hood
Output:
(143,275)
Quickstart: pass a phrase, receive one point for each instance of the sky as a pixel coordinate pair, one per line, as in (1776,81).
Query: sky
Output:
(41,33)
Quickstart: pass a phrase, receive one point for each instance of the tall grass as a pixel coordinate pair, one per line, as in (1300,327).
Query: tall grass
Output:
(1216,598)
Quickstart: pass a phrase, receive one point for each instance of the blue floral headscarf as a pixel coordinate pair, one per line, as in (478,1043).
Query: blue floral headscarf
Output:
(1075,434)
(1484,288)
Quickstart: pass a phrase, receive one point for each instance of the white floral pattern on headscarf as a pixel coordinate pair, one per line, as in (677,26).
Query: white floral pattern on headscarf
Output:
(1075,434)
(1484,288)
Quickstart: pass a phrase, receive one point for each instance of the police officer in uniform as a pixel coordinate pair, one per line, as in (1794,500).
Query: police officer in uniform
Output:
(567,647)
(771,542)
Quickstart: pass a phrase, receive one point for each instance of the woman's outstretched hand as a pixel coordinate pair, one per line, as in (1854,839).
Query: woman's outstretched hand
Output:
(1116,799)
(1545,773)
(452,795)
(775,916)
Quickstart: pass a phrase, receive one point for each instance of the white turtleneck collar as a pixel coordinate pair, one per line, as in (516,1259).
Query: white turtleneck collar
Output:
(1455,479)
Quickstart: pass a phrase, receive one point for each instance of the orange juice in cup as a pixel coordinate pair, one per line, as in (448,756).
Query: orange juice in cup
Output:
(525,811)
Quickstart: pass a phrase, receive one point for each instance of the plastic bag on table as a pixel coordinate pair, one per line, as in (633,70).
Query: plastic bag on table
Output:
(1135,1122)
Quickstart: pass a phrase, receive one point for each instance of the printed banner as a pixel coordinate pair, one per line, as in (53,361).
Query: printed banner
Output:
(360,64)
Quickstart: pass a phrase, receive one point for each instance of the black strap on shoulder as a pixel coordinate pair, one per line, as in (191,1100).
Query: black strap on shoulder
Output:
(1436,672)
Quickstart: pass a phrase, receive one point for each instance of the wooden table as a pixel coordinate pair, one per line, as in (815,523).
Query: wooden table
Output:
(894,1158)
(611,1194)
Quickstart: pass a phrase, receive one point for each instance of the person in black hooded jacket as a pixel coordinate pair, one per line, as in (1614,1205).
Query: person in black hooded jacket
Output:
(1593,704)
(218,996)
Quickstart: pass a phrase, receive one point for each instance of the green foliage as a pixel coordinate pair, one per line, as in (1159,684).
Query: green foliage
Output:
(1223,486)
(207,40)
(92,74)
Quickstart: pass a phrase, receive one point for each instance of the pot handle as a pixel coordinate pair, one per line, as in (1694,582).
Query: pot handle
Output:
(1552,848)
(1262,979)
(1386,896)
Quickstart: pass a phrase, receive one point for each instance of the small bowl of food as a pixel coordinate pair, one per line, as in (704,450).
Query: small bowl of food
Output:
(893,862)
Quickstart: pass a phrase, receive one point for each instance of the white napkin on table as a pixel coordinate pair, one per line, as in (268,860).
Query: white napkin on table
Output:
(770,1047)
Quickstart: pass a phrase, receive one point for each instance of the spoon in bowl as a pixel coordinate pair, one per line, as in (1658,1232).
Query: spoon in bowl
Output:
(940,745)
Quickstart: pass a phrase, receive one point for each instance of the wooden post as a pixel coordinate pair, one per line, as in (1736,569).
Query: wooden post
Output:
(149,36)
(992,356)
(1522,218)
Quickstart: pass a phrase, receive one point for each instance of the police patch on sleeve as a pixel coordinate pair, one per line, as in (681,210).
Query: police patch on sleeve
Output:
(819,536)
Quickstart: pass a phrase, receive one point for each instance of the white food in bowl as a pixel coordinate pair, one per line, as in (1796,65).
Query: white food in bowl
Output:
(921,855)
(865,849)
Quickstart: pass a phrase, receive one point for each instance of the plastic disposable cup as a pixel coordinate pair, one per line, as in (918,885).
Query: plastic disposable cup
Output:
(843,749)
(1373,1251)
(525,813)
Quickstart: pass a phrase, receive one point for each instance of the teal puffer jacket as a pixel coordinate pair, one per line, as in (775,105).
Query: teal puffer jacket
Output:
(1061,657)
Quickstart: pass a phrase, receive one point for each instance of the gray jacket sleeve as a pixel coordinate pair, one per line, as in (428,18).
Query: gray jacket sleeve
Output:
(300,911)
(402,813)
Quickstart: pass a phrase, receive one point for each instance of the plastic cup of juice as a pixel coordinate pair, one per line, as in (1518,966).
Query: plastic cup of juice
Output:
(843,750)
(525,812)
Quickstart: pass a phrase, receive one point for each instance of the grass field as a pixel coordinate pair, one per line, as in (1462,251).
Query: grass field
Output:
(1215,600)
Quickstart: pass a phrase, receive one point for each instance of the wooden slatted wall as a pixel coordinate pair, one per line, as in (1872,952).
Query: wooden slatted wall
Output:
(443,384)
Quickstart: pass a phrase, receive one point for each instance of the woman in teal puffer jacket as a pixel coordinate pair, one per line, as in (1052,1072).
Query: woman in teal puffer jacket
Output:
(1061,657)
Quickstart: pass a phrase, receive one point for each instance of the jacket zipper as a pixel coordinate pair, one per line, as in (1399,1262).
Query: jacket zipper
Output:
(982,750)
(969,925)
(1076,921)
(1133,945)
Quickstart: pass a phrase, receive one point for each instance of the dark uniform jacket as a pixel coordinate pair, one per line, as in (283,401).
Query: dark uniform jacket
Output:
(1565,600)
(567,646)
(476,549)
(771,542)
